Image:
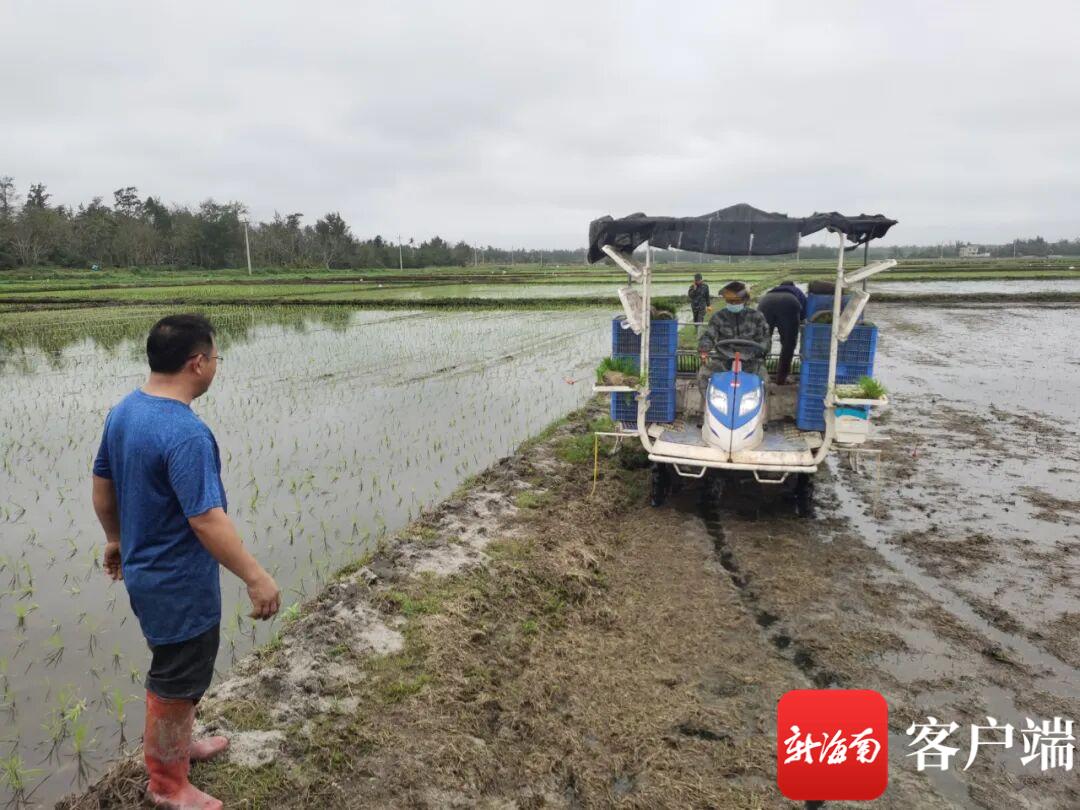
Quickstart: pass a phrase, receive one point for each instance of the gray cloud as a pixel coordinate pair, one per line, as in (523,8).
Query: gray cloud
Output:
(515,125)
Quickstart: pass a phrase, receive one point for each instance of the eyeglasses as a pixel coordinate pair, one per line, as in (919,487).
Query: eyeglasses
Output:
(218,357)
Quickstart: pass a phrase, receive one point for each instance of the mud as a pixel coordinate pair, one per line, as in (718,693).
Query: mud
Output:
(530,645)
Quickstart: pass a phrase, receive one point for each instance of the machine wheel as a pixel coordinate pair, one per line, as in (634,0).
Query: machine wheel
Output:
(713,491)
(804,496)
(659,484)
(675,484)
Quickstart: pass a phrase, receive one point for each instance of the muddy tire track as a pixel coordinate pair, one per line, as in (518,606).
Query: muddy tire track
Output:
(846,615)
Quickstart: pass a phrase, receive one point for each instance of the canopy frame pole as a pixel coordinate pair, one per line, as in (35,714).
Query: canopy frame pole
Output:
(646,330)
(834,351)
(626,263)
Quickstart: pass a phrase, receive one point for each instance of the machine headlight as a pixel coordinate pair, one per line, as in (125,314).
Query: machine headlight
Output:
(749,402)
(718,399)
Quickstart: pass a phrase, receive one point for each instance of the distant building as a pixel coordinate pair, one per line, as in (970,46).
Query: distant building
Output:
(973,252)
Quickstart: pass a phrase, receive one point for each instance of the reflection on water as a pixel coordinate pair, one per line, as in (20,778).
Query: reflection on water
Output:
(26,335)
(429,292)
(335,427)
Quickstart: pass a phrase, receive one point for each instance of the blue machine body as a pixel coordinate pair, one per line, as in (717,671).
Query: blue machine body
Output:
(734,402)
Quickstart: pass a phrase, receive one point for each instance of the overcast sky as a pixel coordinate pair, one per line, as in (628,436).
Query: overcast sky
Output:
(515,124)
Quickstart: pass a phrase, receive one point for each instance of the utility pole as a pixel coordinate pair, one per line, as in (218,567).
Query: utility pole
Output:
(400,261)
(1014,247)
(247,246)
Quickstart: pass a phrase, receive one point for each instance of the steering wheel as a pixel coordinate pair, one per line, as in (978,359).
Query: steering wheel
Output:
(755,349)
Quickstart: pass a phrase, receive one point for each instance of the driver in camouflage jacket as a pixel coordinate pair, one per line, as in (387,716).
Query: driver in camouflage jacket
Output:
(735,320)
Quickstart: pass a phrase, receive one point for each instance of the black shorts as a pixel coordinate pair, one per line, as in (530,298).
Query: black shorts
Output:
(183,671)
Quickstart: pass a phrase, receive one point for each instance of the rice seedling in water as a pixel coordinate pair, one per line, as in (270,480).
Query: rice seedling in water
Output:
(55,644)
(117,702)
(22,610)
(82,745)
(335,427)
(7,700)
(15,777)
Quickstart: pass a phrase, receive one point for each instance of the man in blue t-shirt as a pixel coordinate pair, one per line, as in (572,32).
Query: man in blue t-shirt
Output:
(159,497)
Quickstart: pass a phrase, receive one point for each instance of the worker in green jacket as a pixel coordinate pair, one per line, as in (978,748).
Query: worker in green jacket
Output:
(736,319)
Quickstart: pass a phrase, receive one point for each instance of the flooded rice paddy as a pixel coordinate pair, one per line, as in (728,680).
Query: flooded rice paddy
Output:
(716,279)
(991,419)
(335,428)
(983,286)
(502,291)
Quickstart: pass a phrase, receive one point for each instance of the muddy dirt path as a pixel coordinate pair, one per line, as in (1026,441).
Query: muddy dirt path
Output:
(528,645)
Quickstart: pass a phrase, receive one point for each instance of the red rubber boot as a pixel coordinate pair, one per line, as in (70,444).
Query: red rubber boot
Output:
(167,750)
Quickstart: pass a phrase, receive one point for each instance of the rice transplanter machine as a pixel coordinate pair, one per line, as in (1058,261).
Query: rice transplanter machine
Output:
(747,426)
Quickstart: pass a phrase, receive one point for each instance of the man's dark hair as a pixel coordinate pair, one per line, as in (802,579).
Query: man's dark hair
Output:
(697,276)
(175,338)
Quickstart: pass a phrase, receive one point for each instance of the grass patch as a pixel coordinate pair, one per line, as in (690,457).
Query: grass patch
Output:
(254,788)
(512,550)
(398,690)
(545,434)
(410,606)
(531,500)
(271,648)
(245,715)
(351,568)
(336,745)
(400,675)
(425,535)
(578,449)
(291,613)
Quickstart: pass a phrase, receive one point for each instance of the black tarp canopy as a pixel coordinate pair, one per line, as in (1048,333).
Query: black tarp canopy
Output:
(740,230)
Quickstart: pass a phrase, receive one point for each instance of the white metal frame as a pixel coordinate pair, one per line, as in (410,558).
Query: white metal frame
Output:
(695,468)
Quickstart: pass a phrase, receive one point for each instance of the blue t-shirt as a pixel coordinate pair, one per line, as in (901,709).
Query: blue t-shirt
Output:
(165,466)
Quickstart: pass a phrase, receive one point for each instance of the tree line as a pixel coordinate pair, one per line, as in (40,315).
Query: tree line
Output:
(137,231)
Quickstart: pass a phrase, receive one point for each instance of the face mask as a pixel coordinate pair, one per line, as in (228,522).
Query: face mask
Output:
(735,307)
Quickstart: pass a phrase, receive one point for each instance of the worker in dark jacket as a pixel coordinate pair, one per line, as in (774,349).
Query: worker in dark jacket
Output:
(700,300)
(737,319)
(784,308)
